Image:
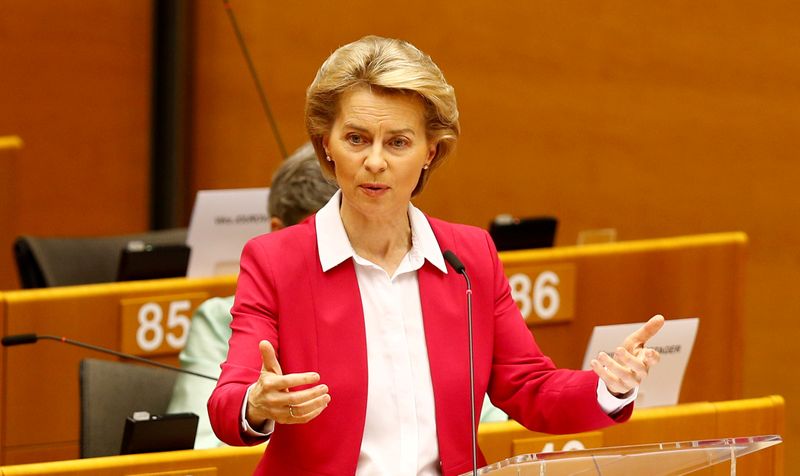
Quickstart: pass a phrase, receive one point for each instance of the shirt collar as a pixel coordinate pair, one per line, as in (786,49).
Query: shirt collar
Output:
(334,246)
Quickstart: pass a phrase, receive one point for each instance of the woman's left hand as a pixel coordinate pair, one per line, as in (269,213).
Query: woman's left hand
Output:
(631,362)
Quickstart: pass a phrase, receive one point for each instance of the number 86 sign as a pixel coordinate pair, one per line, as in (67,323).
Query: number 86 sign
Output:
(543,294)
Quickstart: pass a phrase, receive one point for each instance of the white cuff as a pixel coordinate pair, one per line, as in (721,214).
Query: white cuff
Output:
(608,402)
(269,425)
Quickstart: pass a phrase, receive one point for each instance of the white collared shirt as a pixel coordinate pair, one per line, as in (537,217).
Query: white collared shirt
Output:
(400,427)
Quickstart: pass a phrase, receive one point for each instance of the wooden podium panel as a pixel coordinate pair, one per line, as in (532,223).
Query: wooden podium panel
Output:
(40,405)
(599,284)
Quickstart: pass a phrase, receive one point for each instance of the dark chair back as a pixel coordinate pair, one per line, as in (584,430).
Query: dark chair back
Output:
(47,262)
(112,391)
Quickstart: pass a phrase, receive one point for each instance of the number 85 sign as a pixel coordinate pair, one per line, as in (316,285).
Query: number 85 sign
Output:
(157,325)
(544,293)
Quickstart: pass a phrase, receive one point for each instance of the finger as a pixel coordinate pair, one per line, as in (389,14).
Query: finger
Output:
(621,376)
(613,384)
(644,333)
(268,358)
(288,381)
(309,410)
(300,397)
(634,364)
(651,357)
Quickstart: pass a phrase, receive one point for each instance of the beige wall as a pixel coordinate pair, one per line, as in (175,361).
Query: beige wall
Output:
(656,119)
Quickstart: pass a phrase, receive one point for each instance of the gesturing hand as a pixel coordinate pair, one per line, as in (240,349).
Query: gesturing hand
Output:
(631,362)
(272,399)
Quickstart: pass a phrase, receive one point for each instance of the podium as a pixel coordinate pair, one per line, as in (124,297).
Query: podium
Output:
(658,459)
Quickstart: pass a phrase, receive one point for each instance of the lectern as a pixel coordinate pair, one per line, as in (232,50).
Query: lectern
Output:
(659,459)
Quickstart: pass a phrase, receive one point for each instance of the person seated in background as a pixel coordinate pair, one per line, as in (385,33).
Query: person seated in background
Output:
(298,190)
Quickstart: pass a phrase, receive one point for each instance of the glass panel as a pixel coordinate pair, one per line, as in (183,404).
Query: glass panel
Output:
(660,459)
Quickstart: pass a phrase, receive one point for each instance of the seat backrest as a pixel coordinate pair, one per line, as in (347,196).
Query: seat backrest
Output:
(509,233)
(46,262)
(109,393)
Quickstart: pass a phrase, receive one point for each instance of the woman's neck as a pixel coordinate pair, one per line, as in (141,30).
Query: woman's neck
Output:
(383,240)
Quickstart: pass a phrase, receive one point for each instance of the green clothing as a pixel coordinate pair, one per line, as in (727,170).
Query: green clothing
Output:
(206,349)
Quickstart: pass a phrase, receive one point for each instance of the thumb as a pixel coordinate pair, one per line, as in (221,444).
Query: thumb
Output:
(268,358)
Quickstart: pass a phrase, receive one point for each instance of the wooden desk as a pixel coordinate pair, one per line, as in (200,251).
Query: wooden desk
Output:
(498,441)
(601,284)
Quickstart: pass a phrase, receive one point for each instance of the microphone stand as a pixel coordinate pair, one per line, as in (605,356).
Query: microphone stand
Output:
(20,339)
(459,267)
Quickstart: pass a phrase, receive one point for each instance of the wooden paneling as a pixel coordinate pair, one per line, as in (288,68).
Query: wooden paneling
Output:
(655,119)
(9,148)
(76,86)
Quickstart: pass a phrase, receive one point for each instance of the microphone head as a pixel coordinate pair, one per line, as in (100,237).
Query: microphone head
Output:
(456,263)
(19,339)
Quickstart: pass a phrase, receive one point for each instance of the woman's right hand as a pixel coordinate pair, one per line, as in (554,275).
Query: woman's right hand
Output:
(272,399)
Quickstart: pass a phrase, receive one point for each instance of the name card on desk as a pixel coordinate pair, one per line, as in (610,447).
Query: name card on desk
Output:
(157,325)
(674,342)
(543,293)
(222,222)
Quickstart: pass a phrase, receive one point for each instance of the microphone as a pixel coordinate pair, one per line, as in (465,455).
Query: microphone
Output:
(459,267)
(22,339)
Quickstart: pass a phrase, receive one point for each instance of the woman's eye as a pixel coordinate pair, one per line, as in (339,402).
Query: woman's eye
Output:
(399,142)
(355,139)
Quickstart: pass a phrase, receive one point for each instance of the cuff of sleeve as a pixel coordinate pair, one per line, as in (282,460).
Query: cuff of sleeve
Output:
(268,428)
(608,402)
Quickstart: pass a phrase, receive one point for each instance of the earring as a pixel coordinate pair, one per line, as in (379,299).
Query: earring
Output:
(425,167)
(327,157)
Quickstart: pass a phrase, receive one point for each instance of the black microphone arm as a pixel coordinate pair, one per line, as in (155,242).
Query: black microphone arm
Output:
(21,339)
(459,267)
(251,67)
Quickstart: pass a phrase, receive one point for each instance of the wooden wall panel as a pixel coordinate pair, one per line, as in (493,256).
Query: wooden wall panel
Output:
(655,119)
(9,149)
(76,87)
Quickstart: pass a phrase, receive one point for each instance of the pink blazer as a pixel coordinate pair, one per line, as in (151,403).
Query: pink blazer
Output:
(316,323)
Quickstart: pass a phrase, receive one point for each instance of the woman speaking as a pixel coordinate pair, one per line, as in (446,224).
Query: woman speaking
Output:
(349,340)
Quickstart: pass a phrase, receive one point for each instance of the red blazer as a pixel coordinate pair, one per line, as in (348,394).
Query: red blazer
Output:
(316,323)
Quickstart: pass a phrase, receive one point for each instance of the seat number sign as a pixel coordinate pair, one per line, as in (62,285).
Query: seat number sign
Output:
(543,293)
(157,325)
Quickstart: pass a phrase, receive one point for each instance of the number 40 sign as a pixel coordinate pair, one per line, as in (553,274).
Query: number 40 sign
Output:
(543,293)
(157,325)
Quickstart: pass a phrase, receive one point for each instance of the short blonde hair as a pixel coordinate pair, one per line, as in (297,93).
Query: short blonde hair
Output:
(390,66)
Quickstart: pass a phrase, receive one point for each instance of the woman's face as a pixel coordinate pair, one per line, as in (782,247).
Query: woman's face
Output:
(378,144)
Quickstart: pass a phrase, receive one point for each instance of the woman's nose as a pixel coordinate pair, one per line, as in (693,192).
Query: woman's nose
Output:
(374,162)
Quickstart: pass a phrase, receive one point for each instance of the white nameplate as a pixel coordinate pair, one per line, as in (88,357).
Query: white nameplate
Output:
(222,222)
(674,341)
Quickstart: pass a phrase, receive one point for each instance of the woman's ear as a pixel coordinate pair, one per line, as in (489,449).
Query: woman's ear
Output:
(275,223)
(432,152)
